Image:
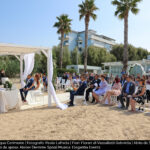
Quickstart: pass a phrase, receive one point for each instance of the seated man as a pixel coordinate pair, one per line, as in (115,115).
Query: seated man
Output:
(123,79)
(79,91)
(29,86)
(127,91)
(93,84)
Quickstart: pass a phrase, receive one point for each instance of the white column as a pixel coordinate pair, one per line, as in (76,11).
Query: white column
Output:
(21,70)
(49,78)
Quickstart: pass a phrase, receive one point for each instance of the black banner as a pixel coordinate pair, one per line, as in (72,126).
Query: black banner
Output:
(75,145)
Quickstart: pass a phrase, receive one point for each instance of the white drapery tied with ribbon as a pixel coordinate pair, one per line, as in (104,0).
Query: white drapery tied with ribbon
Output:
(29,66)
(52,90)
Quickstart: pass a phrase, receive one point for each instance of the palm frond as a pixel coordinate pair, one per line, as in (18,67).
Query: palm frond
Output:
(87,8)
(124,6)
(63,24)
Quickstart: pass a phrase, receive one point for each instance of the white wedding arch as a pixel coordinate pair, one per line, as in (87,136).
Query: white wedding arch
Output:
(26,54)
(136,64)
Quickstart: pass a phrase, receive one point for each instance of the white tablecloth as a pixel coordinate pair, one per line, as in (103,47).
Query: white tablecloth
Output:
(9,100)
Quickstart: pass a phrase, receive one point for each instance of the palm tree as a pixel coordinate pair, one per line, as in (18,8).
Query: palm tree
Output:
(86,11)
(122,11)
(64,27)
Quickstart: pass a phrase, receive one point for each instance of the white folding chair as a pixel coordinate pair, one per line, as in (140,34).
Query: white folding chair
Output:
(80,99)
(114,99)
(68,84)
(63,83)
(39,95)
(58,84)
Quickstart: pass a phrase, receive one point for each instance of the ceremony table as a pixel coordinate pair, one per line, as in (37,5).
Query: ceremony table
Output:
(9,100)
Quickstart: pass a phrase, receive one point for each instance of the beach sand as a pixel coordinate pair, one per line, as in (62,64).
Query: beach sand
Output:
(93,122)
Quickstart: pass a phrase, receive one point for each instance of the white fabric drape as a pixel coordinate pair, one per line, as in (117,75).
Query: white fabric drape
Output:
(52,90)
(6,101)
(29,65)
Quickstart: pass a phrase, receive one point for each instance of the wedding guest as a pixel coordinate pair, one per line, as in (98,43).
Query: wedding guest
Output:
(93,84)
(91,77)
(101,90)
(139,96)
(29,86)
(148,81)
(137,81)
(144,78)
(123,79)
(45,83)
(2,75)
(79,91)
(127,91)
(116,91)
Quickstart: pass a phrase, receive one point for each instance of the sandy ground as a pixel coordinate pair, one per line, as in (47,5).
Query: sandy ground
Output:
(93,122)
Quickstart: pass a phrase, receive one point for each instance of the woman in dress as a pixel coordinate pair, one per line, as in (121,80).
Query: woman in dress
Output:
(101,89)
(36,81)
(116,91)
(139,96)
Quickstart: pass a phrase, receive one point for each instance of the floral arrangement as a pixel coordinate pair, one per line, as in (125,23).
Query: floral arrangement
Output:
(8,85)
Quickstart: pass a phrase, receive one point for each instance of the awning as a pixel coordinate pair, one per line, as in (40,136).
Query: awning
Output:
(12,49)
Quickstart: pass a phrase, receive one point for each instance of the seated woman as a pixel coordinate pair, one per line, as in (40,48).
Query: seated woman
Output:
(36,82)
(139,96)
(101,90)
(116,91)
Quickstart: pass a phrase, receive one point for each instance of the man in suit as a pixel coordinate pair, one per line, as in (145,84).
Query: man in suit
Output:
(29,86)
(127,91)
(123,79)
(79,91)
(94,83)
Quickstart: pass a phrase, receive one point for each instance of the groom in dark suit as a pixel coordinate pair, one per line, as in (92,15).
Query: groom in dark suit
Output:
(127,91)
(29,86)
(79,91)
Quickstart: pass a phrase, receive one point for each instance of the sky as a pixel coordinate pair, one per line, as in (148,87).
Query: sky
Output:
(30,22)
